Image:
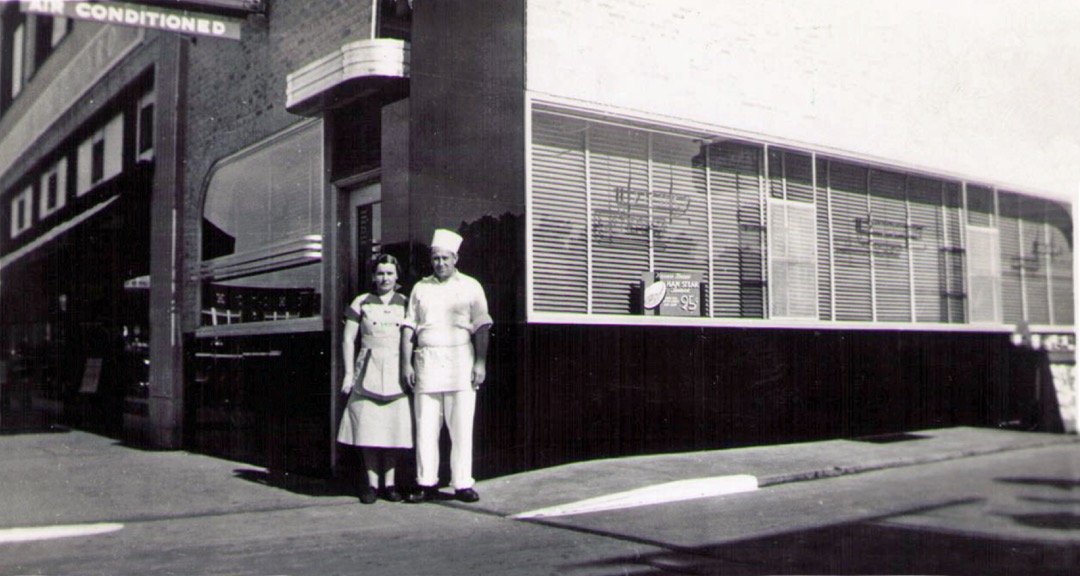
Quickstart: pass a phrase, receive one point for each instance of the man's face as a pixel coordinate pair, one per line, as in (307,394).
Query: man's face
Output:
(444,263)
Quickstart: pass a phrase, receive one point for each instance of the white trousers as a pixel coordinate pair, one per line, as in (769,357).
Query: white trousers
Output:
(457,410)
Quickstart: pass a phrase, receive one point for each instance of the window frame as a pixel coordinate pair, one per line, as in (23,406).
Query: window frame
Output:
(93,168)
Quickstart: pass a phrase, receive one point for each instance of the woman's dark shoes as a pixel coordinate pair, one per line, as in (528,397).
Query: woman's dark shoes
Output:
(368,495)
(391,494)
(466,495)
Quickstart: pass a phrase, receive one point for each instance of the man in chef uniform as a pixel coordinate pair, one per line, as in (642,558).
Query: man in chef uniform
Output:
(448,315)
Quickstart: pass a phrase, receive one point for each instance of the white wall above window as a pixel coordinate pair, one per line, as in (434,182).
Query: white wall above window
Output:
(957,86)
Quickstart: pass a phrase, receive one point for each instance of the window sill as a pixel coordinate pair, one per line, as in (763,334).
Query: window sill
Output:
(312,324)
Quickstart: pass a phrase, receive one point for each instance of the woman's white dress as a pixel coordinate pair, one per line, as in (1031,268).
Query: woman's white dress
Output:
(377,413)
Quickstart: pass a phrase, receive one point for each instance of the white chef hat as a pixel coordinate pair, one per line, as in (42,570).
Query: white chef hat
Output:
(446,240)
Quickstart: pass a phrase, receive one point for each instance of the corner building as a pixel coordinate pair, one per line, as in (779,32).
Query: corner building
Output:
(681,251)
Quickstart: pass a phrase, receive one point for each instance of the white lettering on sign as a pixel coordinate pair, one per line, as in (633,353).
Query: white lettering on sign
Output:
(142,16)
(47,6)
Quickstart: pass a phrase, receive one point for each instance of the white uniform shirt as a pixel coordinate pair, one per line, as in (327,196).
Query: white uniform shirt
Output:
(445,315)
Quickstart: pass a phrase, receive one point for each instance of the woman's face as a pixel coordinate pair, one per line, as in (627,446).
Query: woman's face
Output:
(385,278)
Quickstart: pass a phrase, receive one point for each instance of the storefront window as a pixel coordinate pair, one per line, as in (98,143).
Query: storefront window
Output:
(262,232)
(1036,260)
(612,203)
(773,233)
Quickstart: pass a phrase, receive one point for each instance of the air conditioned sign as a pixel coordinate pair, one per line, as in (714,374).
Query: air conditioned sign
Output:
(125,14)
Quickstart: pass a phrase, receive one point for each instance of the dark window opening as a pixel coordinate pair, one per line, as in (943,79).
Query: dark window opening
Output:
(43,41)
(97,161)
(52,193)
(394,19)
(10,70)
(20,215)
(146,128)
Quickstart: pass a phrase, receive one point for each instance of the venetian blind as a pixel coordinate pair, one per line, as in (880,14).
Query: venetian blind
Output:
(954,253)
(792,259)
(738,260)
(619,185)
(559,220)
(851,268)
(1036,261)
(984,274)
(886,229)
(678,208)
(928,255)
(1060,258)
(1012,257)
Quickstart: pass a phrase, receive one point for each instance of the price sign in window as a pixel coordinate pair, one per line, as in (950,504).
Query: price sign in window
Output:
(673,294)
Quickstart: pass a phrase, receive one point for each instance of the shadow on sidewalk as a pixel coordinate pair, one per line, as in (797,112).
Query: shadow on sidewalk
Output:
(305,485)
(868,547)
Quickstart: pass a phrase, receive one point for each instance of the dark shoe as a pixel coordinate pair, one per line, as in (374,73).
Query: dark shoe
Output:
(422,493)
(466,495)
(391,494)
(367,495)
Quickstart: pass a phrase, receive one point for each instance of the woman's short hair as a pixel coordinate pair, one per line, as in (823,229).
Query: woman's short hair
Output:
(384,259)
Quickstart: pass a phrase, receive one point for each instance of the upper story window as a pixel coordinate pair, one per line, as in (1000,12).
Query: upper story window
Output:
(393,19)
(12,52)
(21,216)
(58,30)
(262,231)
(145,139)
(50,31)
(18,54)
(53,189)
(100,156)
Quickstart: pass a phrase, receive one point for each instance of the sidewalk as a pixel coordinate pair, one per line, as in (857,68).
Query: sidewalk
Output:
(771,465)
(77,477)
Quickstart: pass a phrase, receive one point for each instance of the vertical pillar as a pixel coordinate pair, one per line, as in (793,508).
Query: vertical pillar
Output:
(163,427)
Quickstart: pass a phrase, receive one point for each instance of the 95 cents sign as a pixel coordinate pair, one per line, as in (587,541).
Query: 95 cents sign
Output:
(672,294)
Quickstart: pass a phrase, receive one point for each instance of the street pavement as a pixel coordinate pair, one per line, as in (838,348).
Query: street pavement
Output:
(72,478)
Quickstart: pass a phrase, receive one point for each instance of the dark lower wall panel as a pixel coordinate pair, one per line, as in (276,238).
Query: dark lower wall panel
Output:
(590,392)
(263,400)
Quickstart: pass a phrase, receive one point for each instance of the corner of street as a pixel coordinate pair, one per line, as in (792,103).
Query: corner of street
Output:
(75,502)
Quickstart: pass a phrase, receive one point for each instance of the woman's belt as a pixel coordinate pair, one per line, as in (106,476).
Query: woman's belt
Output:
(380,342)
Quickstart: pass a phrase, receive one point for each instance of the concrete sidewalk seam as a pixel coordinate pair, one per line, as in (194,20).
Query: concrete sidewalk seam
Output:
(838,471)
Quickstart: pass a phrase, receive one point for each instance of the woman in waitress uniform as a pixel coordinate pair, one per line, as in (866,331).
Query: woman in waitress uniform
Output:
(377,416)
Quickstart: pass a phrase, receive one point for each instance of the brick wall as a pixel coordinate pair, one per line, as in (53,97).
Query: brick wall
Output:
(236,93)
